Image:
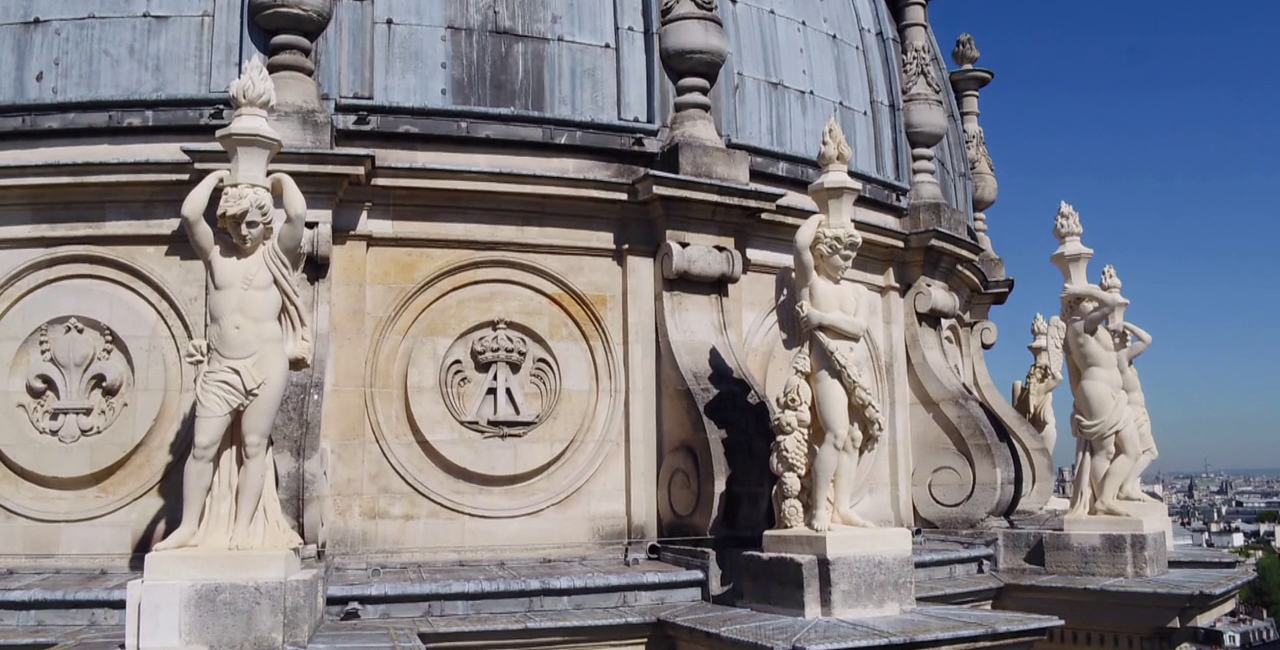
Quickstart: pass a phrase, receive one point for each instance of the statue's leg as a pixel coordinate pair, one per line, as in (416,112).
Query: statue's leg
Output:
(1132,488)
(1082,481)
(833,414)
(1126,442)
(255,427)
(846,473)
(197,476)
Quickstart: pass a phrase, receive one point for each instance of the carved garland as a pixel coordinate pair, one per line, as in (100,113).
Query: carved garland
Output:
(917,68)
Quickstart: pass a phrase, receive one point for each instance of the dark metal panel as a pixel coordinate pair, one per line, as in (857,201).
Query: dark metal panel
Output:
(351,49)
(109,59)
(25,11)
(637,51)
(224,59)
(410,65)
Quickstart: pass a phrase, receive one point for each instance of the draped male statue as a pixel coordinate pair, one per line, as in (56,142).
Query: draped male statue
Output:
(256,329)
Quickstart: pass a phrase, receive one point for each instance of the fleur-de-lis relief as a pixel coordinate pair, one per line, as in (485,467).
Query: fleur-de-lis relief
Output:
(75,383)
(917,68)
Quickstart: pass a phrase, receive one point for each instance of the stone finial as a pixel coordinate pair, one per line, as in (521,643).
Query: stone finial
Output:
(295,25)
(692,47)
(967,84)
(923,113)
(1110,281)
(1039,326)
(1072,257)
(834,190)
(966,53)
(836,152)
(253,88)
(1067,223)
(250,139)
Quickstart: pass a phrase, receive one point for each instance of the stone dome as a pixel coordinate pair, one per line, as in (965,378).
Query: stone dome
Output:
(559,71)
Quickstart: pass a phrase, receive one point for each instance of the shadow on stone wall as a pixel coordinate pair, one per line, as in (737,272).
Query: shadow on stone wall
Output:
(745,512)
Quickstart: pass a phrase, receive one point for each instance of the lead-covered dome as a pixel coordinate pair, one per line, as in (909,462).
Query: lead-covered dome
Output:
(564,71)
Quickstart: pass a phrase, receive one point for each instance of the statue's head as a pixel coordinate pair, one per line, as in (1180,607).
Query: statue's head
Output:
(834,250)
(1121,337)
(244,211)
(1078,306)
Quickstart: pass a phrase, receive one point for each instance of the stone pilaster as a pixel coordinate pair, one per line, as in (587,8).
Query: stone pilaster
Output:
(294,25)
(693,48)
(923,113)
(967,83)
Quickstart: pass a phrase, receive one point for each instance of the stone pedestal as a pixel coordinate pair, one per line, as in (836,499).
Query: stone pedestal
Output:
(846,573)
(706,161)
(1157,515)
(223,600)
(1101,545)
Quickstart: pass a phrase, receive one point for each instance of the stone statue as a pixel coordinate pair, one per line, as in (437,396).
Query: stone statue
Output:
(1107,440)
(1131,341)
(827,380)
(256,329)
(1033,398)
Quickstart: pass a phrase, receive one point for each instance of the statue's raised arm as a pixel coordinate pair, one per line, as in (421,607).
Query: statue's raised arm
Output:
(295,214)
(193,209)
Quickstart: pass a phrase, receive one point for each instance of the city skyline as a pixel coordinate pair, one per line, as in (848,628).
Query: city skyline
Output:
(1102,114)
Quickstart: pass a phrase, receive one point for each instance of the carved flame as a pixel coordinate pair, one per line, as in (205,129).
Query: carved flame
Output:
(835,149)
(1067,223)
(254,88)
(1110,281)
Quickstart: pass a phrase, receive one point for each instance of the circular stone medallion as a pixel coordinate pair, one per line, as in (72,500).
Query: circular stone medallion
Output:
(491,387)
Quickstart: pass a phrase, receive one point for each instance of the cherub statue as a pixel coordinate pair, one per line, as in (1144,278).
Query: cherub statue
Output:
(1107,438)
(850,419)
(1033,398)
(256,329)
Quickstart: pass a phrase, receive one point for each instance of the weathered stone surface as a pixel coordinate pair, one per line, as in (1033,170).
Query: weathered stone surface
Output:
(1123,555)
(707,161)
(871,584)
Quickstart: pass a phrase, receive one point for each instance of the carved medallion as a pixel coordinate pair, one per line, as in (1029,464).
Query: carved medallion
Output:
(502,385)
(76,381)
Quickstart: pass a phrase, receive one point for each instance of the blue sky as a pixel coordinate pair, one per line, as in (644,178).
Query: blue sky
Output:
(1160,123)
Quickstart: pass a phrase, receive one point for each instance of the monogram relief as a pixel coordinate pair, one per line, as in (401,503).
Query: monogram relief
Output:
(509,387)
(77,379)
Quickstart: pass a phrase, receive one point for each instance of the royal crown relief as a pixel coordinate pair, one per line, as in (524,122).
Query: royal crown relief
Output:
(77,381)
(502,384)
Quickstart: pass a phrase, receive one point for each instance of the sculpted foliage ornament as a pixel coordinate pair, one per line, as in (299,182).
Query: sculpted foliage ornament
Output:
(917,68)
(500,403)
(76,383)
(668,6)
(975,144)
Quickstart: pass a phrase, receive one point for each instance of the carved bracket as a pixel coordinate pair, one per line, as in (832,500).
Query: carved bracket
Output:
(698,263)
(963,470)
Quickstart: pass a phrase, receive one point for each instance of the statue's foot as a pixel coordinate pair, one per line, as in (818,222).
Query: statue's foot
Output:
(821,521)
(1135,495)
(848,518)
(1110,508)
(183,537)
(240,541)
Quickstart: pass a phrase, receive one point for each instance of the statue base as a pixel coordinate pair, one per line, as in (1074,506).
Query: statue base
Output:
(845,572)
(186,598)
(1108,546)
